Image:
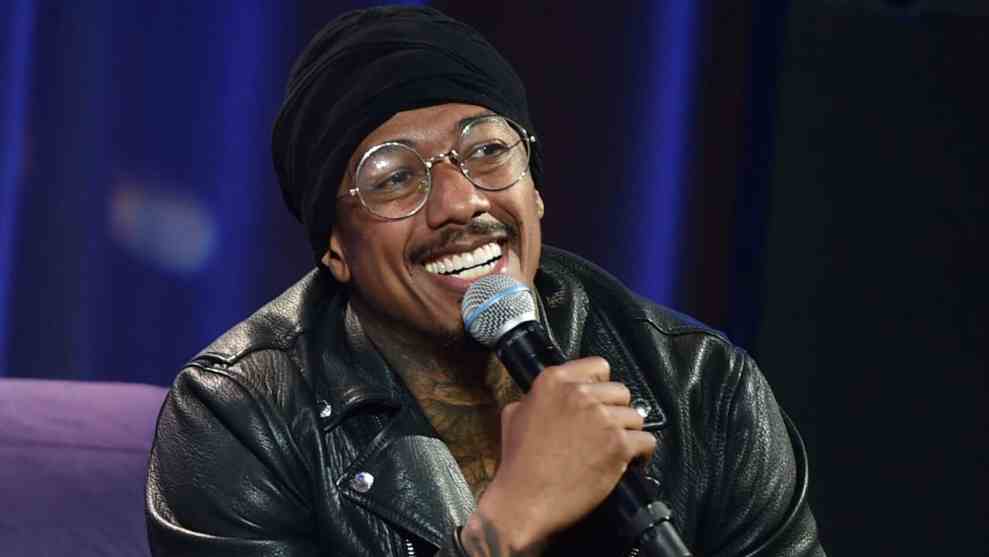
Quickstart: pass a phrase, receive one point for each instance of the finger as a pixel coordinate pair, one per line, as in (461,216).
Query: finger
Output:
(507,414)
(611,393)
(641,444)
(625,417)
(592,369)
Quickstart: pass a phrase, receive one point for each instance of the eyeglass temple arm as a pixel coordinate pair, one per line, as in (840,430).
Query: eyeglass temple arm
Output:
(351,193)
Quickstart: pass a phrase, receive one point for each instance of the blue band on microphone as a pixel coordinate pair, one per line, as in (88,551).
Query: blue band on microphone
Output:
(491,301)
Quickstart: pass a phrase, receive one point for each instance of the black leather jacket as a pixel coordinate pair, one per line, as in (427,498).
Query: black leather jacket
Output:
(289,436)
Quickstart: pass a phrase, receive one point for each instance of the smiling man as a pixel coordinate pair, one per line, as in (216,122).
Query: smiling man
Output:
(354,416)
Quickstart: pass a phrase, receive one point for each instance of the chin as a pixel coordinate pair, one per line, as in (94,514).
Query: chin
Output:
(449,335)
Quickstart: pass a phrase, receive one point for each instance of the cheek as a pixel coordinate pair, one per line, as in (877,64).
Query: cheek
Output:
(376,253)
(534,248)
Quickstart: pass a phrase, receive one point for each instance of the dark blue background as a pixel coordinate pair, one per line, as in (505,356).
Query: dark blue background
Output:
(141,215)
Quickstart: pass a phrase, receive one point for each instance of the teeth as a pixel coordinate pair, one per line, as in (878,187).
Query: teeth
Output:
(461,261)
(476,271)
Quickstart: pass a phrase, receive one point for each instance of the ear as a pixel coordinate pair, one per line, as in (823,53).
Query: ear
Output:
(540,207)
(335,259)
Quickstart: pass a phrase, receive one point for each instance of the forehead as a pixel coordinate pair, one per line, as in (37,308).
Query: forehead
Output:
(423,126)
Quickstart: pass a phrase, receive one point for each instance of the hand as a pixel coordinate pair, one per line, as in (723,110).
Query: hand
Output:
(563,449)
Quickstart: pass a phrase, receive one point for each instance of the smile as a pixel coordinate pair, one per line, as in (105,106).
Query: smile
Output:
(467,265)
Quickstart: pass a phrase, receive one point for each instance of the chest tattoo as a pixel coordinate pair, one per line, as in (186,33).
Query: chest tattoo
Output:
(470,425)
(472,433)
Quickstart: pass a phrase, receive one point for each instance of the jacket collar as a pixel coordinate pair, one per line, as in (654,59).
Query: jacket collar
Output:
(355,374)
(402,471)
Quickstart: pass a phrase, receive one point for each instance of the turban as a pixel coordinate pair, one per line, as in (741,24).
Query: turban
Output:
(360,70)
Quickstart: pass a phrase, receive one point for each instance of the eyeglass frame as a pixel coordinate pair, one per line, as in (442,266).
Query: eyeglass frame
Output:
(451,156)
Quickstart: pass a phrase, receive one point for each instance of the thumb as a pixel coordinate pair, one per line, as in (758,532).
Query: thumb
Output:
(507,415)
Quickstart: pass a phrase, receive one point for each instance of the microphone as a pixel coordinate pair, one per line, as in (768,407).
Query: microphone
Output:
(500,313)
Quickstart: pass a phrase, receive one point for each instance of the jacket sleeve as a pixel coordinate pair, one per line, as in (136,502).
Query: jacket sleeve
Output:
(759,500)
(225,476)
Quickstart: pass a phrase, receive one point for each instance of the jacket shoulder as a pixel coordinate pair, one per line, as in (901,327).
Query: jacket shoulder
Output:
(260,362)
(275,326)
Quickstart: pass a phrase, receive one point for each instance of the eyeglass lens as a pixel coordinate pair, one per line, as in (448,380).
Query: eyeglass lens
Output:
(393,180)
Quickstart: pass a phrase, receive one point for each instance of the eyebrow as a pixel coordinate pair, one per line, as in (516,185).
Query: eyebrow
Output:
(464,121)
(460,125)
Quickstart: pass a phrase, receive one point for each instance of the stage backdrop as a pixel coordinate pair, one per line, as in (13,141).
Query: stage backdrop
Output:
(140,215)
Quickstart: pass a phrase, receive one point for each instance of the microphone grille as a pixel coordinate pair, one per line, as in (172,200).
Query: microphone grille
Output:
(495,304)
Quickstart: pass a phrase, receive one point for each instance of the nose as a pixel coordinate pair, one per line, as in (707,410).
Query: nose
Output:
(454,199)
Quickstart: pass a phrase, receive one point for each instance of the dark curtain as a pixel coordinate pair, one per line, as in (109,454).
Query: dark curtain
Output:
(141,217)
(875,278)
(137,197)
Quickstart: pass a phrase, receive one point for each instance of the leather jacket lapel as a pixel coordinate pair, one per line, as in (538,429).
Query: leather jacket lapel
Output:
(402,471)
(569,320)
(415,483)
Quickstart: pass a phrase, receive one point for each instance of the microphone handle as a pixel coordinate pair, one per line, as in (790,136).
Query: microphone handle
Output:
(643,520)
(525,351)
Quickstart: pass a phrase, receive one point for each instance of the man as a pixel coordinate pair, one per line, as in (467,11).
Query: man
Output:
(353,415)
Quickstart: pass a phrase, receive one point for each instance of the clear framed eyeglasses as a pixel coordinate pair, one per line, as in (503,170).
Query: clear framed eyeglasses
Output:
(393,181)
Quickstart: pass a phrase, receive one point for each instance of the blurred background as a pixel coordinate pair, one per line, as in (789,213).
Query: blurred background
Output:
(810,177)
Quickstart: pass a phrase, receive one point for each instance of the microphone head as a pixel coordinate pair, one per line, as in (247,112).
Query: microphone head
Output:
(495,304)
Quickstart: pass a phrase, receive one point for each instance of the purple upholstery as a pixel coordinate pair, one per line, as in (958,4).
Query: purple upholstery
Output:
(73,460)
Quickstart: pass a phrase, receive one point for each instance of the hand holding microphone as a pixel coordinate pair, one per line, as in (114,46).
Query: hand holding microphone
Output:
(564,447)
(569,442)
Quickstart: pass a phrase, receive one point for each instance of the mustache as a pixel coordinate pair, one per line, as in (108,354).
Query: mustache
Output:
(477,227)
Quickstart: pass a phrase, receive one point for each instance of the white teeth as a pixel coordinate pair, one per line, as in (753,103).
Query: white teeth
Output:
(471,259)
(476,271)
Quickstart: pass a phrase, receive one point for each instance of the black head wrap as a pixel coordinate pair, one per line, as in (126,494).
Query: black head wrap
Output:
(359,71)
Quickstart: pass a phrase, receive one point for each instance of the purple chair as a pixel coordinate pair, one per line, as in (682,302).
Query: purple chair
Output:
(73,460)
